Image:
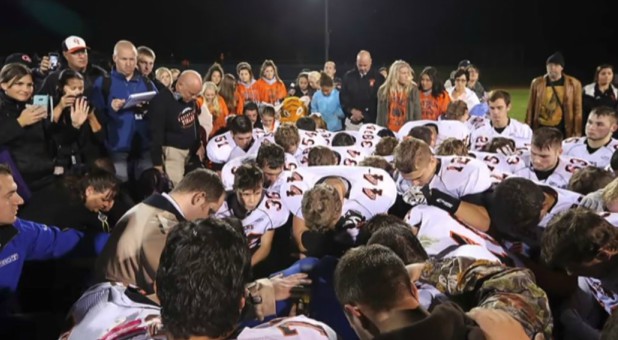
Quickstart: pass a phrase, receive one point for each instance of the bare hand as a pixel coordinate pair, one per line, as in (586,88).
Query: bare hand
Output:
(284,285)
(159,167)
(45,65)
(31,115)
(117,104)
(67,100)
(415,270)
(499,325)
(79,112)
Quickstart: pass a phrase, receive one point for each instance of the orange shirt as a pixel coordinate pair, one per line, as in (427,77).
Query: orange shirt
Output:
(431,107)
(246,94)
(398,106)
(270,93)
(218,116)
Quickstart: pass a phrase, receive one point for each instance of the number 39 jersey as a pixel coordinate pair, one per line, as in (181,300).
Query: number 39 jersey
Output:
(270,214)
(292,328)
(371,191)
(438,231)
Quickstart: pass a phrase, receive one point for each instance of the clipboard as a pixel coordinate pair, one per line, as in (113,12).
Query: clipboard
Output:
(138,98)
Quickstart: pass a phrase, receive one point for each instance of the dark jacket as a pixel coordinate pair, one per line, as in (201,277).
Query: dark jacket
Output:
(92,72)
(447,321)
(172,124)
(29,146)
(361,93)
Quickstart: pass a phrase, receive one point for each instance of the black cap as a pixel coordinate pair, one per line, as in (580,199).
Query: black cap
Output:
(20,58)
(555,58)
(464,63)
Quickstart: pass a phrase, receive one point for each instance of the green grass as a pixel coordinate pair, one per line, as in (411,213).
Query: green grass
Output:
(519,102)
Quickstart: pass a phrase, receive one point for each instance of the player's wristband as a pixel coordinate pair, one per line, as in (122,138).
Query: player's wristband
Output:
(443,201)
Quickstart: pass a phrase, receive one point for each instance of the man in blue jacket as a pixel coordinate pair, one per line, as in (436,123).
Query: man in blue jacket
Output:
(22,240)
(127,128)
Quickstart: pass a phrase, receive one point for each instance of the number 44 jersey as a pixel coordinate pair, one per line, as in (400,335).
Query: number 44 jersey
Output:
(370,191)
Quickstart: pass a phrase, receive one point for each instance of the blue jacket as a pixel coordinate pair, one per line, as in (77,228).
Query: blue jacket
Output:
(27,240)
(122,126)
(330,109)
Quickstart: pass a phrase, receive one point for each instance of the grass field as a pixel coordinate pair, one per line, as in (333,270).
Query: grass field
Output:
(519,102)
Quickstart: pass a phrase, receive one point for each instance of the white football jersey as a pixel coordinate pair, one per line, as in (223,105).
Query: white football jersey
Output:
(270,214)
(291,163)
(559,178)
(475,122)
(457,176)
(438,231)
(446,129)
(497,163)
(291,328)
(577,147)
(485,133)
(229,169)
(366,141)
(371,191)
(370,128)
(222,148)
(565,200)
(347,155)
(105,311)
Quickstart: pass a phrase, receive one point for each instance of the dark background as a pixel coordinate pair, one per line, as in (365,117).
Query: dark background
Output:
(510,38)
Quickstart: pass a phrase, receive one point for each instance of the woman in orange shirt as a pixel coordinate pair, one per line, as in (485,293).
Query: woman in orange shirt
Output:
(227,90)
(270,88)
(214,105)
(246,89)
(433,96)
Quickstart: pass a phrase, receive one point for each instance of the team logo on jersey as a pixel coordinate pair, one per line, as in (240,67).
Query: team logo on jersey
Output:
(295,177)
(372,193)
(294,191)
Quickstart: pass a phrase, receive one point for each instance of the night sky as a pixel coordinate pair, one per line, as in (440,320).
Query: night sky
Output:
(512,34)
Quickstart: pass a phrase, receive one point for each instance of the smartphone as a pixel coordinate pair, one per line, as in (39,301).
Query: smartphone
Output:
(53,60)
(41,100)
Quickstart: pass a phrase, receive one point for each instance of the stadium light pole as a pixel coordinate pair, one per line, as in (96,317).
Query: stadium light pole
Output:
(326,31)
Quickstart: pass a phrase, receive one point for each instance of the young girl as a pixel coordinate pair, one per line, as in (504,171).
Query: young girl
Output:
(246,90)
(211,102)
(70,113)
(270,88)
(398,98)
(434,98)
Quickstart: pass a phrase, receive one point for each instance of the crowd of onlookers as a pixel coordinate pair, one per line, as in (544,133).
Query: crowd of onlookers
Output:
(150,202)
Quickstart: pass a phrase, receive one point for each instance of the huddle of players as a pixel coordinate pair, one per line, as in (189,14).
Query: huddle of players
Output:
(457,199)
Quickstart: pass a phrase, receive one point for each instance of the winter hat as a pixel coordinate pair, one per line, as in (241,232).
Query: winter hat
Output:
(555,58)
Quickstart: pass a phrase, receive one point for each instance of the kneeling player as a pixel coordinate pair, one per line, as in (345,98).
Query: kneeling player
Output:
(331,203)
(261,212)
(445,182)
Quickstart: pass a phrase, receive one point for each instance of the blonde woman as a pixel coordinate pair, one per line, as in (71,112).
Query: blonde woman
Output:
(270,87)
(398,98)
(164,75)
(213,104)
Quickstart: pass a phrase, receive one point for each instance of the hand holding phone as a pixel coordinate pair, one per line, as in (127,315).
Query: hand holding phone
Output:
(54,60)
(31,114)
